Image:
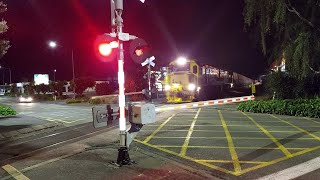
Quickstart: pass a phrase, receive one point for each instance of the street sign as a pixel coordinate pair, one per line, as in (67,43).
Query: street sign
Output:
(100,117)
(149,61)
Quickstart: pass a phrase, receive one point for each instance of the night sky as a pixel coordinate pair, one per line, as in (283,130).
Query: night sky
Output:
(210,31)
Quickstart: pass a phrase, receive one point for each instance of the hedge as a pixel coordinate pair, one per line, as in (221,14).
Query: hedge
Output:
(296,107)
(77,100)
(7,111)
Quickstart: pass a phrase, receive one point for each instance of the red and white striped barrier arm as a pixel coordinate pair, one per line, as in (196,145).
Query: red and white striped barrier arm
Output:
(204,103)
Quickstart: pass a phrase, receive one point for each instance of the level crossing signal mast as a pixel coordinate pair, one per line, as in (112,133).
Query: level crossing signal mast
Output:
(109,47)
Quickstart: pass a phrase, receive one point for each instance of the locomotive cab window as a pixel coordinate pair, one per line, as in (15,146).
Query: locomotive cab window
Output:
(195,70)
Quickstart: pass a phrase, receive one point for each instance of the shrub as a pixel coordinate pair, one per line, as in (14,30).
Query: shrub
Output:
(77,100)
(104,100)
(296,107)
(43,97)
(7,111)
(95,101)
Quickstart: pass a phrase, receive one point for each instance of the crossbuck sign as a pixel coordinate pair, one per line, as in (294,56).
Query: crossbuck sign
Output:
(149,61)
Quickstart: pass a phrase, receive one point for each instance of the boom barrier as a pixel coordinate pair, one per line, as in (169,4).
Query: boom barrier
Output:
(204,103)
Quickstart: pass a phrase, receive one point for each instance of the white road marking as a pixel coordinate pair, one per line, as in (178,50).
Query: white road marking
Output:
(295,171)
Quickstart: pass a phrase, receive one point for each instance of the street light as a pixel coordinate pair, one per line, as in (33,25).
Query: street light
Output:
(54,75)
(53,45)
(1,67)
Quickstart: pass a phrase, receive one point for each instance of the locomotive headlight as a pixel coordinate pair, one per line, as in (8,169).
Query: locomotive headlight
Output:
(191,87)
(175,85)
(167,87)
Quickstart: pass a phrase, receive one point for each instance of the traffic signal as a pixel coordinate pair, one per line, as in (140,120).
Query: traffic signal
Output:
(139,50)
(106,47)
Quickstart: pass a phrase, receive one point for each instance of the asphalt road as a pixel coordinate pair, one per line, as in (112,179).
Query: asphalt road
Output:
(214,142)
(55,112)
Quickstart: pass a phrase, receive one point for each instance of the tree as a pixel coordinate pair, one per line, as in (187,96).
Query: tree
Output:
(287,29)
(14,90)
(82,84)
(44,88)
(137,80)
(37,89)
(57,87)
(105,89)
(29,89)
(4,44)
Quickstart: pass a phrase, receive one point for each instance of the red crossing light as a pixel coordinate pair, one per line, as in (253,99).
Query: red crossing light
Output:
(139,50)
(106,47)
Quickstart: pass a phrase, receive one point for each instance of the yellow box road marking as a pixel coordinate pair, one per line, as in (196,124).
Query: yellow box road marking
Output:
(187,158)
(232,150)
(300,129)
(158,129)
(208,163)
(283,149)
(187,140)
(14,172)
(279,159)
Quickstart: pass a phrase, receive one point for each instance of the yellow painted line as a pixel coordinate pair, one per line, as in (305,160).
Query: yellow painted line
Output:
(178,130)
(188,158)
(14,172)
(232,125)
(228,161)
(183,125)
(187,140)
(279,160)
(312,120)
(158,129)
(240,138)
(213,130)
(234,156)
(227,147)
(300,129)
(283,149)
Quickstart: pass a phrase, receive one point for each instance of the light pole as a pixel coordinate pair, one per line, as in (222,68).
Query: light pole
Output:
(9,73)
(53,45)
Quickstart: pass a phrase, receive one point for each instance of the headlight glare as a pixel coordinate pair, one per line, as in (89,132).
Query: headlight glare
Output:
(191,87)
(167,87)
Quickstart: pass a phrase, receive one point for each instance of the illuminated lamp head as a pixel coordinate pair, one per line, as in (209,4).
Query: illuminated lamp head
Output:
(181,61)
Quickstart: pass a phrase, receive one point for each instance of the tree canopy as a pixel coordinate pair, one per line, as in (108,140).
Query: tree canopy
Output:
(288,29)
(4,44)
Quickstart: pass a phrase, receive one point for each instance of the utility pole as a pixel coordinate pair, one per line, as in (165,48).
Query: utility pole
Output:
(73,76)
(3,77)
(149,81)
(10,75)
